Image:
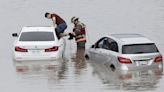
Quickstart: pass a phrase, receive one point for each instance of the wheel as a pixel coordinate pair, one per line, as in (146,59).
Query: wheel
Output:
(112,67)
(86,57)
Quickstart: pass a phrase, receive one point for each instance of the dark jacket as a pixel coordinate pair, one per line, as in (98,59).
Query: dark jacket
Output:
(59,20)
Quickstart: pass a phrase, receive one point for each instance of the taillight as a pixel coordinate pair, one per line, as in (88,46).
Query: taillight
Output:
(18,49)
(55,48)
(158,59)
(124,60)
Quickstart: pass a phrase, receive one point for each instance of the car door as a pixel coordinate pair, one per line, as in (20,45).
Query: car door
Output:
(100,50)
(110,52)
(96,49)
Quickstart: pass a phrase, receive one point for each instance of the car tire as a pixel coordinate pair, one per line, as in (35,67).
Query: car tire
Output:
(112,67)
(86,57)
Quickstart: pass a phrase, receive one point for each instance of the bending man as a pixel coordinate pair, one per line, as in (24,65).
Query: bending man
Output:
(57,20)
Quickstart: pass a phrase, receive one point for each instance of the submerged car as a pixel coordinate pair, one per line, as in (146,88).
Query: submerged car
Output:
(127,80)
(125,52)
(38,43)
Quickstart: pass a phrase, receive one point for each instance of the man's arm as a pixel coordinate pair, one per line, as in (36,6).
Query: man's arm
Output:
(54,20)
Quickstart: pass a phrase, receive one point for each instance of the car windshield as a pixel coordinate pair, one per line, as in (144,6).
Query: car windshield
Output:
(139,48)
(37,36)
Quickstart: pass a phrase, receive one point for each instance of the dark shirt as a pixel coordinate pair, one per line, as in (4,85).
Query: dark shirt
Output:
(59,20)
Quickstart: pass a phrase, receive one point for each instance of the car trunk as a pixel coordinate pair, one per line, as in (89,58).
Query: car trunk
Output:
(143,60)
(139,55)
(36,48)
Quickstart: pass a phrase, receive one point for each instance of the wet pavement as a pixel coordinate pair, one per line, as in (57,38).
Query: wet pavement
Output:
(74,73)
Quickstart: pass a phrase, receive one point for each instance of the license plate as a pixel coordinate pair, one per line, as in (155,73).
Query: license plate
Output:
(35,51)
(143,62)
(143,73)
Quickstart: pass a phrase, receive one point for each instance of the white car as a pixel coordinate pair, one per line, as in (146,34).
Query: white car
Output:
(38,43)
(125,52)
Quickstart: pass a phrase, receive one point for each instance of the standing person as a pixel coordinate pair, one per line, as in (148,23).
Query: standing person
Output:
(78,33)
(57,20)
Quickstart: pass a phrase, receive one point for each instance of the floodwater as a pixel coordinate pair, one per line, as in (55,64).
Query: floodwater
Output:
(74,73)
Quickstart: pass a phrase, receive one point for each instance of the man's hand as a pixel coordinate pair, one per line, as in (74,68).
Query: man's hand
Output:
(71,36)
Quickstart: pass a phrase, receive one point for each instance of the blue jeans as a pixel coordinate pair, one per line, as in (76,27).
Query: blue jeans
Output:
(61,28)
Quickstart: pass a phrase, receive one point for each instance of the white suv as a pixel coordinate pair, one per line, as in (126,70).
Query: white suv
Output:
(125,52)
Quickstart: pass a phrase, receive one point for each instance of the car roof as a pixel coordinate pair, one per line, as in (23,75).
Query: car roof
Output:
(37,28)
(130,38)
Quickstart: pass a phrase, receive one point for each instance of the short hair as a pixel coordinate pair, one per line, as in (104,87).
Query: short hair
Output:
(46,14)
(77,19)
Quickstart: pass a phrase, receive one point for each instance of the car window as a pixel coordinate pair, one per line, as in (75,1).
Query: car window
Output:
(105,44)
(37,36)
(113,46)
(109,44)
(139,48)
(99,43)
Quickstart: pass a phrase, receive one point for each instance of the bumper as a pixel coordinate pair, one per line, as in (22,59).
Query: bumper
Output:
(144,67)
(50,56)
(35,66)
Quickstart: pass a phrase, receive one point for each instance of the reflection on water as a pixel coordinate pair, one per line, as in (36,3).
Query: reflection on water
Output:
(79,61)
(51,70)
(56,75)
(60,75)
(140,80)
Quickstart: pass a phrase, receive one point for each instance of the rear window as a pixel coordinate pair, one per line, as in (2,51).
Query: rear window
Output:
(139,48)
(37,36)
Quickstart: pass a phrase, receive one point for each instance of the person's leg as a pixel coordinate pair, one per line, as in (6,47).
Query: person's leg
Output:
(60,29)
(57,32)
(81,45)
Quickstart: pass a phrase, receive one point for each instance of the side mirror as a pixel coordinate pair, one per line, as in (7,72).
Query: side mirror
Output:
(14,34)
(92,46)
